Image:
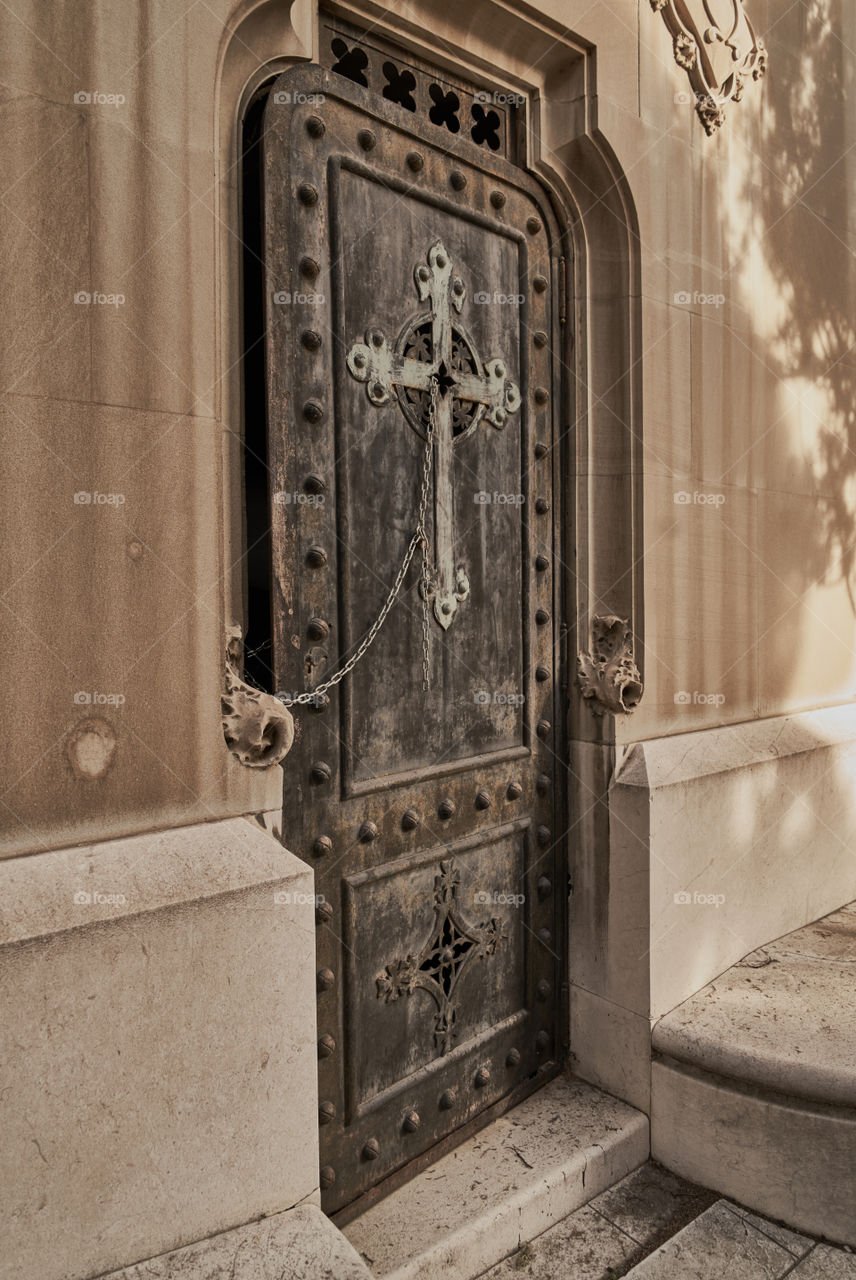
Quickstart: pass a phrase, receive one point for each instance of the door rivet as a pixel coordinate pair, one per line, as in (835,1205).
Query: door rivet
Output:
(542,783)
(322,846)
(539,284)
(371,1149)
(320,772)
(309,268)
(542,563)
(512,1058)
(541,395)
(541,450)
(457,180)
(497,199)
(544,835)
(542,1041)
(545,887)
(366,139)
(483,799)
(542,674)
(542,506)
(446,808)
(482,1078)
(307,193)
(411,1122)
(448,1098)
(325,979)
(542,991)
(415,161)
(326,1112)
(323,913)
(545,937)
(310,339)
(543,728)
(327,1177)
(514,791)
(317,628)
(312,411)
(316,557)
(314,484)
(315,127)
(326,1046)
(410,820)
(542,617)
(533,226)
(540,338)
(368,832)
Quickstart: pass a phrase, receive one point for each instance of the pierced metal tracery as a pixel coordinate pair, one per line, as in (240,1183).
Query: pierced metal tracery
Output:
(452,946)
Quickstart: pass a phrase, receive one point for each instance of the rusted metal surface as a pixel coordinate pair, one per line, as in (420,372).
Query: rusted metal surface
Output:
(429,815)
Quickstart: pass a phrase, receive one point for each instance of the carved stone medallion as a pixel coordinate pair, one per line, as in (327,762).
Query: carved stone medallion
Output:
(715,42)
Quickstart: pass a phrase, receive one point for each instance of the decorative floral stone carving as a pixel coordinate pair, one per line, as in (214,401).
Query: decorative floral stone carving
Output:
(607,674)
(715,42)
(258,729)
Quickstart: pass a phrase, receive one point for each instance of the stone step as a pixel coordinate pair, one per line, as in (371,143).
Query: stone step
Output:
(728,1241)
(754,1081)
(510,1182)
(615,1230)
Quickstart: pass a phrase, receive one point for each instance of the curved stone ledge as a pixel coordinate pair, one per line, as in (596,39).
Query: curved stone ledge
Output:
(783,1018)
(782,1156)
(754,1080)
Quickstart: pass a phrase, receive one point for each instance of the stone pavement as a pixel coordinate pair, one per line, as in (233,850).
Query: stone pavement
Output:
(654,1226)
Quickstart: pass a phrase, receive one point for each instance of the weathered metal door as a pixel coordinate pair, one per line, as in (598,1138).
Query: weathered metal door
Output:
(405,266)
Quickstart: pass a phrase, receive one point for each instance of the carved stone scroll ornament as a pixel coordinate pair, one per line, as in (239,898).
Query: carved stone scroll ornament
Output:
(715,42)
(607,674)
(258,729)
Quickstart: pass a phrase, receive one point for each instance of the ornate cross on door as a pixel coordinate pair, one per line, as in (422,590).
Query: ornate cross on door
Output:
(467,391)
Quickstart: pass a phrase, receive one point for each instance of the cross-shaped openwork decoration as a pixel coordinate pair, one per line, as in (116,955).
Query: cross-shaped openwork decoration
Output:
(452,945)
(434,345)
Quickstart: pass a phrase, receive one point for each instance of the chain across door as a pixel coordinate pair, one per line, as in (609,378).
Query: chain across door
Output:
(412,322)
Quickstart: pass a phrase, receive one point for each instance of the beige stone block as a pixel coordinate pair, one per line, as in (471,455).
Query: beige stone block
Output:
(790,1163)
(117,604)
(680,221)
(725,1241)
(806,631)
(700,571)
(781,1018)
(609,934)
(513,1180)
(611,1047)
(303,1241)
(44,247)
(667,387)
(733,811)
(163,54)
(153,236)
(159,1014)
(664,90)
(739,409)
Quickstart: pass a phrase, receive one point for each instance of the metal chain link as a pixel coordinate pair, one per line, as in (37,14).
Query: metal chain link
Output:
(420,538)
